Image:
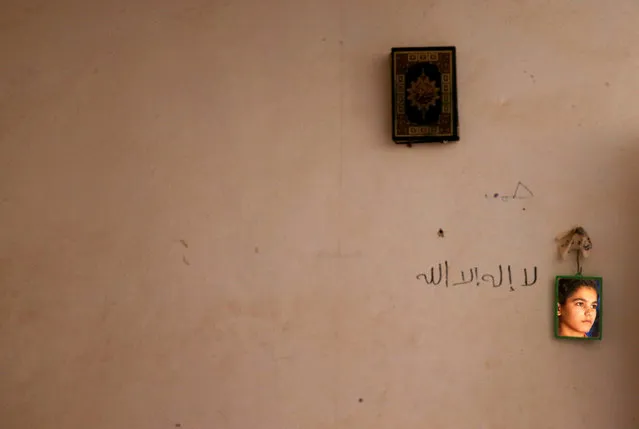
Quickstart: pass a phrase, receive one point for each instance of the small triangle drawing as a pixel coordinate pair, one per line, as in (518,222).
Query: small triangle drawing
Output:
(522,192)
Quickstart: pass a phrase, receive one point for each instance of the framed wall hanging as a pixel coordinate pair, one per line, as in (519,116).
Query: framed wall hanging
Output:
(578,307)
(424,95)
(578,303)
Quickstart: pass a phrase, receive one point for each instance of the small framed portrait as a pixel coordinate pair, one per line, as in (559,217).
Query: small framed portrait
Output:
(578,307)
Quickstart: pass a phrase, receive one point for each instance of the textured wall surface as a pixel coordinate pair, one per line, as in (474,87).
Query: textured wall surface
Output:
(205,224)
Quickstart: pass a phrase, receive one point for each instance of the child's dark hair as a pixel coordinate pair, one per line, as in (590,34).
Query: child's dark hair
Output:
(568,286)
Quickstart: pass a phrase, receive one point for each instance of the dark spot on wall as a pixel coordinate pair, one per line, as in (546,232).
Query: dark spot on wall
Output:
(496,195)
(257,249)
(178,425)
(440,232)
(524,209)
(184,243)
(186,262)
(323,39)
(361,399)
(607,83)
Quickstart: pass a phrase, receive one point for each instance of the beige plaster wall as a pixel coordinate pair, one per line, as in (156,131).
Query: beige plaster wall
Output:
(204,223)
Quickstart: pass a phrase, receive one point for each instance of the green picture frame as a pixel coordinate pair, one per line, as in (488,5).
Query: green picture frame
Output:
(578,300)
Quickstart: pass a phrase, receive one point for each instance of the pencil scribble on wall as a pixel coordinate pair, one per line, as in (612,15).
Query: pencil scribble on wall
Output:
(522,192)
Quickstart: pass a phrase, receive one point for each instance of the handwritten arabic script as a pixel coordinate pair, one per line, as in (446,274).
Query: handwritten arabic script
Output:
(435,276)
(522,192)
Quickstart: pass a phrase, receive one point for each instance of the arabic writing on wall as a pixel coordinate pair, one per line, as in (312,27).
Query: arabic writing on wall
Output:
(435,276)
(522,192)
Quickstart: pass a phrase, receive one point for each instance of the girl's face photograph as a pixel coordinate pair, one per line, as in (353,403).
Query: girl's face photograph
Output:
(577,307)
(578,314)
